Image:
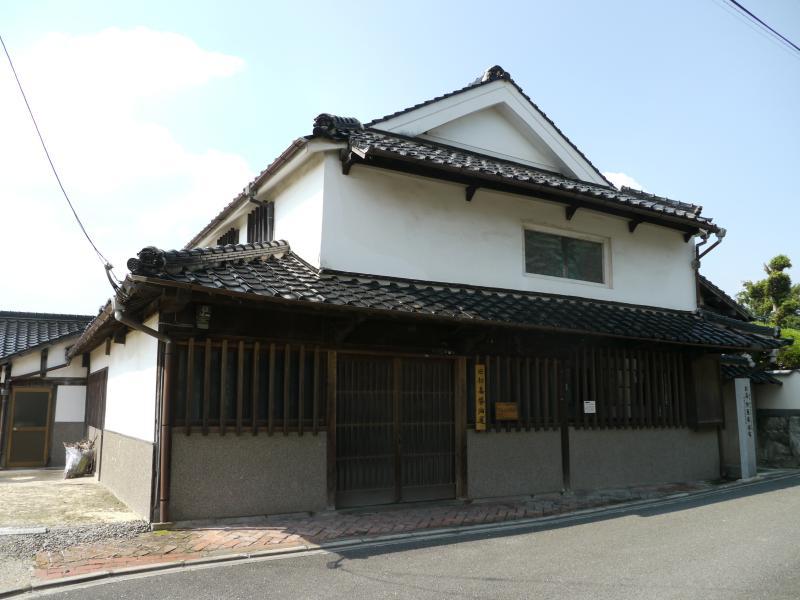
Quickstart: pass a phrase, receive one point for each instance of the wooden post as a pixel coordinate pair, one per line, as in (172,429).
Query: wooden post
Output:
(460,397)
(331,434)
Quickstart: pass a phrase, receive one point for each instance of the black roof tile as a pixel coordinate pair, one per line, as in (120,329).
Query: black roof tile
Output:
(371,142)
(22,331)
(274,271)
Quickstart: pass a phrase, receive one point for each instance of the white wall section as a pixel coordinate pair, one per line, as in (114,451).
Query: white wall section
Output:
(780,397)
(386,223)
(131,387)
(70,403)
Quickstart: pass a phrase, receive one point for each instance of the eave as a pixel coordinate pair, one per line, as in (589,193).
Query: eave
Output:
(571,200)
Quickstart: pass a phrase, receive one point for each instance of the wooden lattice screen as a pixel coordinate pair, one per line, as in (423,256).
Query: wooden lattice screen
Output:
(236,385)
(629,388)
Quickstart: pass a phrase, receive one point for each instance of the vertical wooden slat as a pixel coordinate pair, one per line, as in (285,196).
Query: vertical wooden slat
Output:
(222,385)
(498,395)
(287,389)
(617,384)
(517,373)
(315,394)
(652,410)
(584,384)
(682,389)
(460,410)
(330,398)
(301,366)
(537,390)
(254,384)
(396,417)
(271,391)
(526,385)
(239,387)
(594,386)
(641,421)
(546,394)
(206,385)
(509,386)
(189,386)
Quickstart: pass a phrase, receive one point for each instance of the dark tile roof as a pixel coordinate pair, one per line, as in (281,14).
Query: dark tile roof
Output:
(272,270)
(22,331)
(371,142)
(716,299)
(495,73)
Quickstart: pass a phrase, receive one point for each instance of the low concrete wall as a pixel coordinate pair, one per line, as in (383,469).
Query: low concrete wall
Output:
(126,468)
(604,458)
(217,476)
(60,433)
(513,463)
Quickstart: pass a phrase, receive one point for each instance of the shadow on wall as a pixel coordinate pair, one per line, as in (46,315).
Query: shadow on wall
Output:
(779,441)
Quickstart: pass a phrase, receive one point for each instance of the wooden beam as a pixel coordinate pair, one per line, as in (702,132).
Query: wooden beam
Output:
(239,387)
(43,362)
(315,394)
(460,398)
(330,393)
(108,346)
(633,224)
(206,385)
(469,193)
(287,373)
(187,415)
(271,391)
(254,386)
(223,372)
(301,363)
(570,211)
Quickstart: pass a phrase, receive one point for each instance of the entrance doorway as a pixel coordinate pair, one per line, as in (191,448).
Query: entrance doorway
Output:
(395,430)
(29,435)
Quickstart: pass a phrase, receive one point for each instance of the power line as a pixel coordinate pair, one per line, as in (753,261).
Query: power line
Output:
(736,5)
(108,266)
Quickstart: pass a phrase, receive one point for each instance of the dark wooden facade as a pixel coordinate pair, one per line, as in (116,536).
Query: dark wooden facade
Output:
(396,396)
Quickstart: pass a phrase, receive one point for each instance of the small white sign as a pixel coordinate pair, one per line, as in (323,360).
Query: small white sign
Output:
(588,407)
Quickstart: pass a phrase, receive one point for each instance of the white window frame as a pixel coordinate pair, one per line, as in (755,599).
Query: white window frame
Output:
(604,241)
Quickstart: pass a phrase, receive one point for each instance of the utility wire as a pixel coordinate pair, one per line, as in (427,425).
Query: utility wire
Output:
(758,21)
(108,266)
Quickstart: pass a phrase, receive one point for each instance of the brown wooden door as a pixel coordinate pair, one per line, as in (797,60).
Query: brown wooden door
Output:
(395,433)
(29,439)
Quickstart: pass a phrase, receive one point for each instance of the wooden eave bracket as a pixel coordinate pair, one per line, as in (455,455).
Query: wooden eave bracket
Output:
(570,211)
(633,224)
(469,193)
(347,162)
(687,236)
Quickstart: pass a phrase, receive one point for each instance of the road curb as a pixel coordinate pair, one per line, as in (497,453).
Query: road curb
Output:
(455,531)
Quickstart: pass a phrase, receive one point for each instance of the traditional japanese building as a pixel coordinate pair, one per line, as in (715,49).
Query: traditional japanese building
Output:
(447,302)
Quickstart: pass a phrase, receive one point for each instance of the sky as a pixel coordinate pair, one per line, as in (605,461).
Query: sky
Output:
(158,113)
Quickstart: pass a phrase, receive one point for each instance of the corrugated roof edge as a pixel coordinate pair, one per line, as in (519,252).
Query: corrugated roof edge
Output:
(36,316)
(492,74)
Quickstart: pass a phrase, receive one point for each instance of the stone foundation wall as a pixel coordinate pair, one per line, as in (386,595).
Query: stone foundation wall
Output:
(778,437)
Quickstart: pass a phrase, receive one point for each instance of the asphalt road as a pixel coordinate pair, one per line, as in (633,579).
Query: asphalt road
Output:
(734,544)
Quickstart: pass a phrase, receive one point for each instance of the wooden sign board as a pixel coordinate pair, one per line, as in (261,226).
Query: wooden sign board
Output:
(506,411)
(480,397)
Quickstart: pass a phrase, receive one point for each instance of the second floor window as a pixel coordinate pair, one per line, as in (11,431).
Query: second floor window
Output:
(229,237)
(261,223)
(563,256)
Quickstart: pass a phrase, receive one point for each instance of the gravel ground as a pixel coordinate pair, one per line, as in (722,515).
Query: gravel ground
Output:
(58,538)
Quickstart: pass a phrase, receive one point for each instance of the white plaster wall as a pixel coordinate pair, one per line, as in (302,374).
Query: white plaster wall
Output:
(381,222)
(70,403)
(490,131)
(298,209)
(786,396)
(56,355)
(131,387)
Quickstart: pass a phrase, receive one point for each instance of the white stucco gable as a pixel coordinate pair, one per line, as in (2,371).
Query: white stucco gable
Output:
(494,117)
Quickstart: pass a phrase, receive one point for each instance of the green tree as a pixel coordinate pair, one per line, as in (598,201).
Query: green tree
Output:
(774,299)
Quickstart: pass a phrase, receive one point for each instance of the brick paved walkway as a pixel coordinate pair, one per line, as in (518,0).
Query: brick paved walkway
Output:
(276,532)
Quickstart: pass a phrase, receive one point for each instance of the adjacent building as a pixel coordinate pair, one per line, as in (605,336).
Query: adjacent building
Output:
(43,389)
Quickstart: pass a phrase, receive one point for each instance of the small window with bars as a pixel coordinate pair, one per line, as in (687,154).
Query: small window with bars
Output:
(563,256)
(261,223)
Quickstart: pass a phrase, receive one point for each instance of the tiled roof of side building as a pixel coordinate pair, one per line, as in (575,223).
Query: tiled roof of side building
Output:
(379,143)
(22,331)
(272,270)
(491,74)
(716,298)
